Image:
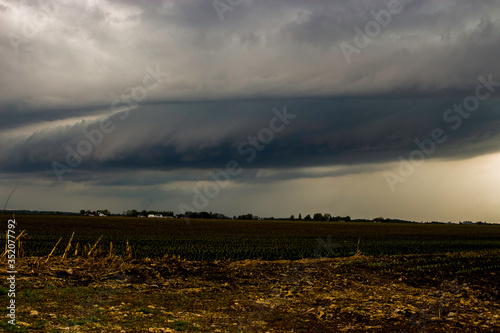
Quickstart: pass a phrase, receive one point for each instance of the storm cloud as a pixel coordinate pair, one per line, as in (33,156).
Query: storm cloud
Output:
(172,90)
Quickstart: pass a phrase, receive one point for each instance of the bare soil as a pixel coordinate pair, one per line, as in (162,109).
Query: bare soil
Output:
(355,294)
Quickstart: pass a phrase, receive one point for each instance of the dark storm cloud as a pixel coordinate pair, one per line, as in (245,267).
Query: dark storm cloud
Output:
(87,54)
(197,136)
(224,78)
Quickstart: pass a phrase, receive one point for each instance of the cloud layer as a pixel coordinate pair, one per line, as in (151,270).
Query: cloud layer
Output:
(184,84)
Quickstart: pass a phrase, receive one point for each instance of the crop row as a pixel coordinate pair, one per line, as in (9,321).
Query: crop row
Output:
(235,240)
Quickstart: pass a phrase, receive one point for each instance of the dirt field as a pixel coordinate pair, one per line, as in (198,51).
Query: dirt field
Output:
(355,294)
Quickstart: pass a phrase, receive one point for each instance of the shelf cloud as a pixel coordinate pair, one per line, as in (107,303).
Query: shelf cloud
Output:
(150,97)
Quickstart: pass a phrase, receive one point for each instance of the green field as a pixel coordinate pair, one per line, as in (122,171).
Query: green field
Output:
(236,240)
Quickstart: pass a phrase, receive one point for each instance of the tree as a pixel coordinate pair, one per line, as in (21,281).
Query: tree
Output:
(292,218)
(308,218)
(318,217)
(245,217)
(82,212)
(300,217)
(132,213)
(205,215)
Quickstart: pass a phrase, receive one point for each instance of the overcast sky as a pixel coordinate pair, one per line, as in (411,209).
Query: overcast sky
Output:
(360,108)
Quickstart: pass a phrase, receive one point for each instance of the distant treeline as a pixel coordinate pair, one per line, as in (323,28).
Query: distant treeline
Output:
(145,213)
(219,216)
(37,212)
(321,217)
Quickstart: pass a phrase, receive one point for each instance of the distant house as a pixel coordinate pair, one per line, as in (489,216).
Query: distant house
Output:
(153,215)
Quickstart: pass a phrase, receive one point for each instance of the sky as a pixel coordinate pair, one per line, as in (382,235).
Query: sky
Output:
(361,108)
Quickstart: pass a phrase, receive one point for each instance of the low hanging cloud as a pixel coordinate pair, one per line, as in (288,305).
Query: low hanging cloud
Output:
(211,76)
(208,135)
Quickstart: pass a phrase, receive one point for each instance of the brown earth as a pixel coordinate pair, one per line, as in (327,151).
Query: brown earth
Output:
(355,294)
